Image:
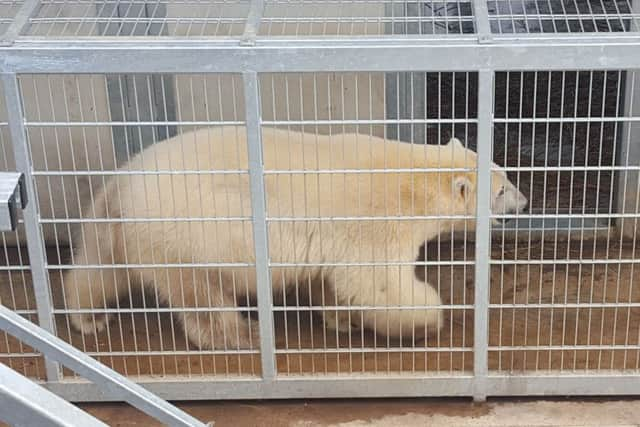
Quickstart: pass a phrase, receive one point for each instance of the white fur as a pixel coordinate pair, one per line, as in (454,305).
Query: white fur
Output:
(322,246)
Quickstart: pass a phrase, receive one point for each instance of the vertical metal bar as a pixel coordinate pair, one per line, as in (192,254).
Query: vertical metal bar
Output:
(253,119)
(252,25)
(483,27)
(483,234)
(35,240)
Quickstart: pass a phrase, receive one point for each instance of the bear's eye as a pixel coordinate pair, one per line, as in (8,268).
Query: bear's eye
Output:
(501,192)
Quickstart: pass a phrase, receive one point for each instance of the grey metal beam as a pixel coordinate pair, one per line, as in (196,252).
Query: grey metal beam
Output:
(326,386)
(253,119)
(25,403)
(124,56)
(483,234)
(31,215)
(483,27)
(112,383)
(317,387)
(252,25)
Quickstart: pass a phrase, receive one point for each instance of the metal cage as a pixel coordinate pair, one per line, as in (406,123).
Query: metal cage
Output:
(544,303)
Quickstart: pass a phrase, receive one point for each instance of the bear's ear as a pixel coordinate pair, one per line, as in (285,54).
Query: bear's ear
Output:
(462,187)
(455,142)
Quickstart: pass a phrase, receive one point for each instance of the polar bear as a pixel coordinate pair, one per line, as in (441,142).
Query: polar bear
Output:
(345,212)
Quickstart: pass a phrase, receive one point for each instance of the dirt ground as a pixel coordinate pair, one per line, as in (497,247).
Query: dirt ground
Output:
(526,331)
(392,413)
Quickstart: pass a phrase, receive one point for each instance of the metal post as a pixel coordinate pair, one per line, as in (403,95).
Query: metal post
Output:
(110,381)
(253,121)
(253,23)
(483,27)
(35,240)
(483,234)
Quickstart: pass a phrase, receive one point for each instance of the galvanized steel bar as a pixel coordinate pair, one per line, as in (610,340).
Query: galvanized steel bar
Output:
(112,383)
(320,387)
(483,234)
(253,119)
(252,24)
(325,387)
(25,403)
(295,55)
(483,28)
(35,240)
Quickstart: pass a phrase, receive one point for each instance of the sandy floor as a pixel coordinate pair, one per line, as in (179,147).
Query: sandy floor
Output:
(522,337)
(391,413)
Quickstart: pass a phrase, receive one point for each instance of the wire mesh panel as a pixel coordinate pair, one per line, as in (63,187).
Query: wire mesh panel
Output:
(226,18)
(143,335)
(366,17)
(16,293)
(327,321)
(16,289)
(565,300)
(78,18)
(561,16)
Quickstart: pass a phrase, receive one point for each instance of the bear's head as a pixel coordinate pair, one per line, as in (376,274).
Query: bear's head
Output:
(506,199)
(450,189)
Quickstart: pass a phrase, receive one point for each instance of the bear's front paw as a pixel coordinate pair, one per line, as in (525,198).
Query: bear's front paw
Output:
(89,324)
(338,321)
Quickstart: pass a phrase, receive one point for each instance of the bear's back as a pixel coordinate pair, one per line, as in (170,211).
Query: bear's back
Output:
(204,172)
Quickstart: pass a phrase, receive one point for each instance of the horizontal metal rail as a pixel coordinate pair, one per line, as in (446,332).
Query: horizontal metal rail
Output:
(275,308)
(170,55)
(379,350)
(187,123)
(448,263)
(567,347)
(577,168)
(505,306)
(383,384)
(243,264)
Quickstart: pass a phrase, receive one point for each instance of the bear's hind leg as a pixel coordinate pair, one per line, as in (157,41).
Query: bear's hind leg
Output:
(212,319)
(220,330)
(94,288)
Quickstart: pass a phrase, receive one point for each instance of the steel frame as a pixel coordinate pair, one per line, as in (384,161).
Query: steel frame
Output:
(249,54)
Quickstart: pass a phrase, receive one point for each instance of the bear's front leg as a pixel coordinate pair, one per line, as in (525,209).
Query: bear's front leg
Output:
(343,321)
(402,306)
(339,320)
